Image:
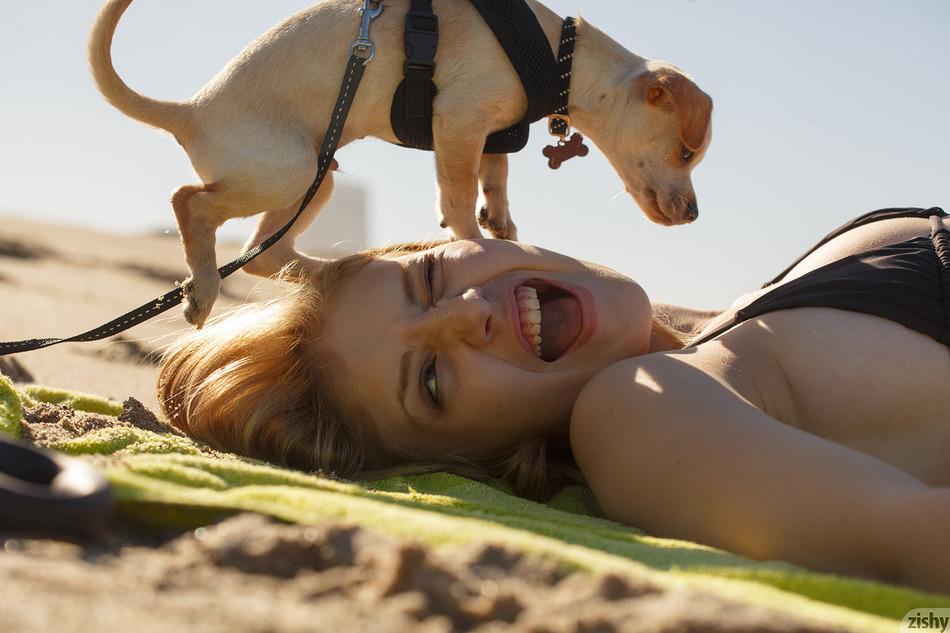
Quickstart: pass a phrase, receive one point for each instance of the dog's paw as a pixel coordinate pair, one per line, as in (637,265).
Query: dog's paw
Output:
(483,217)
(199,298)
(498,229)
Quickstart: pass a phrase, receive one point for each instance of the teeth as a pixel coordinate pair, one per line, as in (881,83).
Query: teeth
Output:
(529,309)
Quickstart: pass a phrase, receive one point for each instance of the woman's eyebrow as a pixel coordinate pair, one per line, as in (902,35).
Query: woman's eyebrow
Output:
(404,365)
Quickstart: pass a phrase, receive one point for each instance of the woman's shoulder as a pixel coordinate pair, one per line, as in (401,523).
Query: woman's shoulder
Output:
(653,383)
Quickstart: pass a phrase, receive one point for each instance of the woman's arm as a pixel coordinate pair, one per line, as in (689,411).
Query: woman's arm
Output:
(668,448)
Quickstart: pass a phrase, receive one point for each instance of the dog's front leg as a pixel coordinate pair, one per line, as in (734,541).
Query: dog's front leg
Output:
(457,155)
(494,216)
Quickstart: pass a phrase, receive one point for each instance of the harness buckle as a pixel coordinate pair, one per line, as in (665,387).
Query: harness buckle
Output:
(418,69)
(422,41)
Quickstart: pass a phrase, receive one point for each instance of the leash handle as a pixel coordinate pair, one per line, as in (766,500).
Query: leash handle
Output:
(46,493)
(355,68)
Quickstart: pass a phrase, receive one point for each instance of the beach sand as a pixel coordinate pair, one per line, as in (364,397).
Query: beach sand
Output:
(250,573)
(57,281)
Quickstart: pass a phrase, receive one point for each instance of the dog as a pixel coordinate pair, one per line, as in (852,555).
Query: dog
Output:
(253,132)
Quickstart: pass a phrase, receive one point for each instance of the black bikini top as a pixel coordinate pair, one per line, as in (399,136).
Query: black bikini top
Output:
(908,282)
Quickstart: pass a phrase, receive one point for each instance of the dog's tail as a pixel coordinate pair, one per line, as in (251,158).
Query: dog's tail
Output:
(167,115)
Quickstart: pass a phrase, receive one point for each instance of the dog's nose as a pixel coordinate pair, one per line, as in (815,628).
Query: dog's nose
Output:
(691,212)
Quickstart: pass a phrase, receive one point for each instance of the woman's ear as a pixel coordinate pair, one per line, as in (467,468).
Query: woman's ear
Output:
(668,89)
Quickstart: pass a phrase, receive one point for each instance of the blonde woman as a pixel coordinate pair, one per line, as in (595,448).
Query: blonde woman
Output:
(808,422)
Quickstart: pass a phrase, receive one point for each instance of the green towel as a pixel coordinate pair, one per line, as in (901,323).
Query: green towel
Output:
(167,478)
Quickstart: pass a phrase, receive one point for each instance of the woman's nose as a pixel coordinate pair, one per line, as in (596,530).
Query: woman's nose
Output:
(466,317)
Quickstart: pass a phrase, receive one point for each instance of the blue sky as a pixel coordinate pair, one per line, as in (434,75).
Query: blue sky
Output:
(823,110)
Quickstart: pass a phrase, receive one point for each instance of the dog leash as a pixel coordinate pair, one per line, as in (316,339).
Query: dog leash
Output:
(362,52)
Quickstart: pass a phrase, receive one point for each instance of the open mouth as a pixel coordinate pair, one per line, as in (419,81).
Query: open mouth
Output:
(550,318)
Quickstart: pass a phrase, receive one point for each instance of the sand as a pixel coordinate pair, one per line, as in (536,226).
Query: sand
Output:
(57,281)
(249,573)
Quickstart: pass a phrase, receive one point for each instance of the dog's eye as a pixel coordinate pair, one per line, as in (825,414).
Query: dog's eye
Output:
(686,153)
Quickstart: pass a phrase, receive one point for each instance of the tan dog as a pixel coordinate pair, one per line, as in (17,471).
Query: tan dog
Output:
(253,132)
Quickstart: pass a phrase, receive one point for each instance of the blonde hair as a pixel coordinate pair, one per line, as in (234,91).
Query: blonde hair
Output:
(247,383)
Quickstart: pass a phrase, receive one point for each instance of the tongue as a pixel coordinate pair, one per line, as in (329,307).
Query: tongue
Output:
(560,326)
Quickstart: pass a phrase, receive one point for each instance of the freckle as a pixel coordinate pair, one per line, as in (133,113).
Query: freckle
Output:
(641,164)
(603,97)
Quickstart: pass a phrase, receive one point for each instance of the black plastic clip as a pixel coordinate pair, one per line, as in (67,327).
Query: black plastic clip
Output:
(422,41)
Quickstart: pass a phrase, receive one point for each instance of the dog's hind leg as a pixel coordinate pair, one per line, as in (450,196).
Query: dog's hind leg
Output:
(457,155)
(273,260)
(494,216)
(197,237)
(200,210)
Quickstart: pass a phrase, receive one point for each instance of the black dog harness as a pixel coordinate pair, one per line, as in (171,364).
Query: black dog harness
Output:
(546,80)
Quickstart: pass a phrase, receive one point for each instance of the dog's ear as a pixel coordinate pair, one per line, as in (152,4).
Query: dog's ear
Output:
(671,90)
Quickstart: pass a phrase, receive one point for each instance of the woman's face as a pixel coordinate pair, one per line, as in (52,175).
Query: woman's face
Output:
(474,346)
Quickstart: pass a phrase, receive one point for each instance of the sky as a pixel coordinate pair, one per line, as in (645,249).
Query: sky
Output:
(823,110)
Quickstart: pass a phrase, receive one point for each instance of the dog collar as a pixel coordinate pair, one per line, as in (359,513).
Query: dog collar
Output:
(559,121)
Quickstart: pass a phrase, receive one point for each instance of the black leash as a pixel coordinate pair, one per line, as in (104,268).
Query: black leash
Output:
(361,54)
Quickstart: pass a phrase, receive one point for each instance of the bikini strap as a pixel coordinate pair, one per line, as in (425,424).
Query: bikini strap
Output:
(941,239)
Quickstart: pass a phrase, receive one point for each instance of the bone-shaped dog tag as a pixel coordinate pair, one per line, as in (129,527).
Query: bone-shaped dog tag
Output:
(565,150)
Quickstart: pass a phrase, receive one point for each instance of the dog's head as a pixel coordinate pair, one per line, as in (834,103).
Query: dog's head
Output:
(662,127)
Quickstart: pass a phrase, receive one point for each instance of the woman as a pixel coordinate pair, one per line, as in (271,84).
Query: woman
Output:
(808,422)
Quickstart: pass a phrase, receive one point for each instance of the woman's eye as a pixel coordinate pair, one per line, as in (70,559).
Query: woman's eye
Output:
(687,153)
(431,381)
